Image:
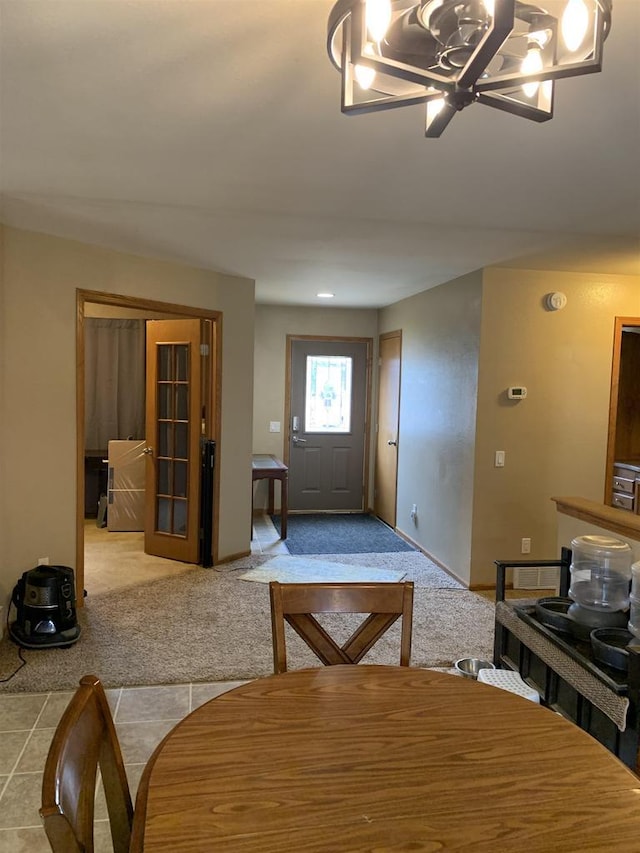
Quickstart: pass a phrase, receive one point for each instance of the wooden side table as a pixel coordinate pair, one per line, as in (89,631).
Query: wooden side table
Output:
(266,466)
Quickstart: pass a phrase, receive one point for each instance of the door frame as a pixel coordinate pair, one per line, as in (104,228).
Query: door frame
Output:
(619,326)
(212,393)
(367,404)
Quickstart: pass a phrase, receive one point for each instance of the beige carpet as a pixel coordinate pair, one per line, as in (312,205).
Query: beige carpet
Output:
(207,625)
(287,569)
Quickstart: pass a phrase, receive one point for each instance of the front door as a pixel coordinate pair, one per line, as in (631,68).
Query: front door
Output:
(386,472)
(173,428)
(329,382)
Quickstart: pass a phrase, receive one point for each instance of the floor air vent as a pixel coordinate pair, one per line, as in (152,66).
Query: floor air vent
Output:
(536,578)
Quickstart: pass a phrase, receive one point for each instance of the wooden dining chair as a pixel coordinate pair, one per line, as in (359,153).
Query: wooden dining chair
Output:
(298,603)
(84,740)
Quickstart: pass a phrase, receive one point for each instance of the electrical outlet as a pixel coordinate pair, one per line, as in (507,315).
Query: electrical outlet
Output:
(526,546)
(43,561)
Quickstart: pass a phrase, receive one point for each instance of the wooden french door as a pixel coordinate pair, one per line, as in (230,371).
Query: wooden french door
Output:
(386,472)
(328,406)
(174,408)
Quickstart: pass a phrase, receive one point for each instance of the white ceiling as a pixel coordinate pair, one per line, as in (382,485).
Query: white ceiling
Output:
(209,132)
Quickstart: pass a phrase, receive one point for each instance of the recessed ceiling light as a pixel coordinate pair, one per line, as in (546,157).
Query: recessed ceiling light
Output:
(325,295)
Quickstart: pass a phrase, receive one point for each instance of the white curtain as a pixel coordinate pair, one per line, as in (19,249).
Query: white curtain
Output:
(114,373)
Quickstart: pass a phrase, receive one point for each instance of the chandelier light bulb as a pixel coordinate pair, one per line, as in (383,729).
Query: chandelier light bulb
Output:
(365,76)
(378,18)
(435,106)
(575,23)
(530,64)
(540,37)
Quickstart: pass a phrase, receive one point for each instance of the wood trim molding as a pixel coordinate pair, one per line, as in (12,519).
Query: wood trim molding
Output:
(215,381)
(610,518)
(433,559)
(620,323)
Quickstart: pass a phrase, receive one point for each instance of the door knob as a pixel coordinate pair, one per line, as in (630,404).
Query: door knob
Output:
(297,440)
(392,443)
(148,450)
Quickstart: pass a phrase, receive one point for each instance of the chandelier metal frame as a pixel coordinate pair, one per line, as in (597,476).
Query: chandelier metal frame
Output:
(449,54)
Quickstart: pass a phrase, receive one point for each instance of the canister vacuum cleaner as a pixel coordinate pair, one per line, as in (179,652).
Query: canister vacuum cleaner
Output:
(45,603)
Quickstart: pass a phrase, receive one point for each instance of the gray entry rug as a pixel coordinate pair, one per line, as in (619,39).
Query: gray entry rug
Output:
(349,533)
(206,625)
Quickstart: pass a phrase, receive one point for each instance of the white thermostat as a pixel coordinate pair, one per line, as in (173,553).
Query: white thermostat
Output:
(516,392)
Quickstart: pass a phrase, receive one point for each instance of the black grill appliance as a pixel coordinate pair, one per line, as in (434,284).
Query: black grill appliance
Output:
(45,602)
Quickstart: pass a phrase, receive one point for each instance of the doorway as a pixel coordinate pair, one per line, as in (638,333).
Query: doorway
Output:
(623,444)
(327,414)
(386,468)
(205,397)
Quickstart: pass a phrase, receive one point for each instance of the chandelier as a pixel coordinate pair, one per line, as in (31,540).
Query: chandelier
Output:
(448,54)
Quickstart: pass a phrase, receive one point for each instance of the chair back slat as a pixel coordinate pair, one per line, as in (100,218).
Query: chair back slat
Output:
(85,740)
(298,603)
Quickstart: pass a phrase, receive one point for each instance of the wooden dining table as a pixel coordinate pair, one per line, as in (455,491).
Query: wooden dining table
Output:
(379,758)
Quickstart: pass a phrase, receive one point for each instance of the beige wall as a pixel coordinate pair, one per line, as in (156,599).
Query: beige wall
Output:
(440,342)
(464,344)
(38,453)
(556,439)
(272,325)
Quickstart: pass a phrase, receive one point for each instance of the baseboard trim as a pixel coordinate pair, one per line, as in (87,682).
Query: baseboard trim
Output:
(419,547)
(231,557)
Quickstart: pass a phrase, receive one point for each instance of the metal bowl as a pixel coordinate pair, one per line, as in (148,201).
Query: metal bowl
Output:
(470,667)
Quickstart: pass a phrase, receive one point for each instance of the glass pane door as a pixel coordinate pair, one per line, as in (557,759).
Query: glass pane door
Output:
(172,438)
(174,414)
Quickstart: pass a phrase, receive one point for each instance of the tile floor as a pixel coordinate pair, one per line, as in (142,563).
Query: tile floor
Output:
(143,715)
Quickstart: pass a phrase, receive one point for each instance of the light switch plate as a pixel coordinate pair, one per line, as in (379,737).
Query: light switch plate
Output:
(274,426)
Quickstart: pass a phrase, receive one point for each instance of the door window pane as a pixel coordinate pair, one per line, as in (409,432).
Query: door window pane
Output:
(182,362)
(180,479)
(182,402)
(328,394)
(164,362)
(164,515)
(182,441)
(165,436)
(164,477)
(180,517)
(165,410)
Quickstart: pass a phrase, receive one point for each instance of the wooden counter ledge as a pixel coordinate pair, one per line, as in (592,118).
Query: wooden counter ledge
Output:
(617,520)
